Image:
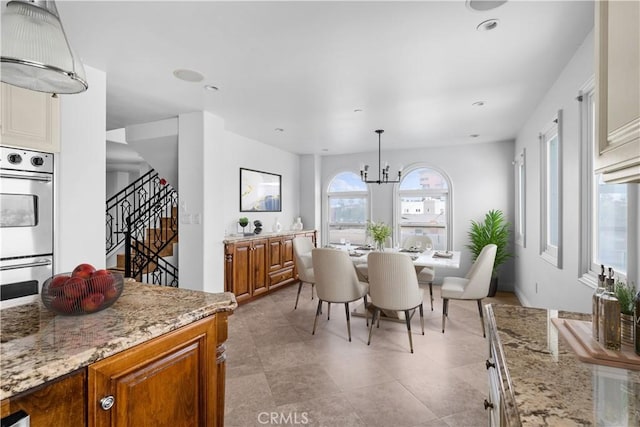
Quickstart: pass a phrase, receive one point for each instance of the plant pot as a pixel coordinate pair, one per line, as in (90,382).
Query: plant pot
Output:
(493,287)
(626,328)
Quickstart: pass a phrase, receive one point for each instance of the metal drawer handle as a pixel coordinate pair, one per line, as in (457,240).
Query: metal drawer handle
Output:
(26,265)
(107,402)
(487,405)
(489,364)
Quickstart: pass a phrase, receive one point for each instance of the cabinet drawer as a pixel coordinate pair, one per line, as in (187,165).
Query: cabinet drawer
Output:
(280,277)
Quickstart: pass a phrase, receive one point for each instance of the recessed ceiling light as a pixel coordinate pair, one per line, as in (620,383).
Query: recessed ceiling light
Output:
(325,149)
(279,130)
(211,88)
(478,104)
(474,135)
(358,110)
(482,5)
(188,75)
(488,25)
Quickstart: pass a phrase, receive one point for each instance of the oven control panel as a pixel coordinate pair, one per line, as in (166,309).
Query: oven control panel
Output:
(18,159)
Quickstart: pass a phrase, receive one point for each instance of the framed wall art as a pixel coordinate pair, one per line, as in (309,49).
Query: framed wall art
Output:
(260,191)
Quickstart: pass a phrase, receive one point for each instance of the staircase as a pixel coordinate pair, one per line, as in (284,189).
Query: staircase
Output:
(142,220)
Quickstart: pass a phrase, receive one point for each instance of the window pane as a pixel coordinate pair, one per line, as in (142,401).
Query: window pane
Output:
(553,187)
(349,210)
(611,225)
(431,210)
(437,234)
(352,233)
(347,182)
(423,178)
(521,195)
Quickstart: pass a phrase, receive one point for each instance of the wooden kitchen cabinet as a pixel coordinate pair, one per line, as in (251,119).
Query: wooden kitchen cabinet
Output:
(61,402)
(168,381)
(29,119)
(617,145)
(176,379)
(259,265)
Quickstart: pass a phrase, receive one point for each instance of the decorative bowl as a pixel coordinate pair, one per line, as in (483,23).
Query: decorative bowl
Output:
(72,295)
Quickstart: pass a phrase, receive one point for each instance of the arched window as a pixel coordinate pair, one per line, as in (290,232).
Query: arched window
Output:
(348,205)
(424,206)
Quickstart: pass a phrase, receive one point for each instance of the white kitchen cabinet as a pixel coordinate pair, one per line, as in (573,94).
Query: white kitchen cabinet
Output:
(617,145)
(29,119)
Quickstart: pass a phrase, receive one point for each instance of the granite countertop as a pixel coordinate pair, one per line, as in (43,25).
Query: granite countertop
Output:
(263,235)
(549,385)
(37,346)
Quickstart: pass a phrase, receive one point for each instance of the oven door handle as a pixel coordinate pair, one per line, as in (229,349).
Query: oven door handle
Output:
(26,265)
(45,178)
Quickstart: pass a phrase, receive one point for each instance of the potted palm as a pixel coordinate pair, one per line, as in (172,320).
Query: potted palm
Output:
(494,229)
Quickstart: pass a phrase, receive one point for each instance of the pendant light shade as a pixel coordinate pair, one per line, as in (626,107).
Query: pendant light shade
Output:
(36,54)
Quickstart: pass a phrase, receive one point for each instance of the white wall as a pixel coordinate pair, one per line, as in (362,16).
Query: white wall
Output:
(209,160)
(251,154)
(311,191)
(481,177)
(80,177)
(556,287)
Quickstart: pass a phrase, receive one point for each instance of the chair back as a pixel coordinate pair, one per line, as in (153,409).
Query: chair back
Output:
(479,274)
(410,241)
(393,283)
(302,247)
(335,276)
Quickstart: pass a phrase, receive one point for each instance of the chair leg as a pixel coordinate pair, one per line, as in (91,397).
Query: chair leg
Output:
(315,321)
(481,317)
(295,307)
(431,294)
(376,311)
(407,318)
(445,303)
(422,318)
(313,287)
(328,310)
(366,310)
(346,310)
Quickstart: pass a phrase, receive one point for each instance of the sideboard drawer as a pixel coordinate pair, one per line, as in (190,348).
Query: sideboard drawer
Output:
(280,277)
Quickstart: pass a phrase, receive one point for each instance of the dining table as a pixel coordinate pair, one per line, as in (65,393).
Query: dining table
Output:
(421,259)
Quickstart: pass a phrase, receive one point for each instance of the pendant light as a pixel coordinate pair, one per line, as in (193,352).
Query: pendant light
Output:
(36,54)
(383,172)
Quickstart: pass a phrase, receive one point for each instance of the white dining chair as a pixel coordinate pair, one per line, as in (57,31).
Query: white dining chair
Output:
(336,282)
(426,275)
(474,286)
(302,247)
(393,286)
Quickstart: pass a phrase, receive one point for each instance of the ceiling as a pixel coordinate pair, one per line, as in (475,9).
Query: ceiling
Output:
(413,68)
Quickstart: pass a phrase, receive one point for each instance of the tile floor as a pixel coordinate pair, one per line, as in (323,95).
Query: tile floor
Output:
(280,374)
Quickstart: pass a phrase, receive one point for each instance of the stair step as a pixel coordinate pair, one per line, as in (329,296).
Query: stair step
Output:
(120,264)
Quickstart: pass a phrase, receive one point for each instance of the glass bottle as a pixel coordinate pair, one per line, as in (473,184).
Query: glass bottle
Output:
(609,316)
(595,302)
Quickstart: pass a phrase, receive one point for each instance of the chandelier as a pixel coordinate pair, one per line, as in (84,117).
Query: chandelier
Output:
(383,172)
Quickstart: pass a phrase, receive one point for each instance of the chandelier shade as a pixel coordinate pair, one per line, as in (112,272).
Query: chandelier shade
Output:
(383,172)
(36,53)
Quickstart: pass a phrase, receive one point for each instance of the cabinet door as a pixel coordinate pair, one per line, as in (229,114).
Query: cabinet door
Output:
(259,265)
(168,381)
(287,251)
(29,119)
(242,271)
(617,143)
(58,403)
(275,254)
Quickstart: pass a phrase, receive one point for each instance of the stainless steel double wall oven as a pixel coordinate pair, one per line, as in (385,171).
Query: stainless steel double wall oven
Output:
(26,224)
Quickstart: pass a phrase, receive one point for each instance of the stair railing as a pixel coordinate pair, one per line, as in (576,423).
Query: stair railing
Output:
(156,222)
(147,206)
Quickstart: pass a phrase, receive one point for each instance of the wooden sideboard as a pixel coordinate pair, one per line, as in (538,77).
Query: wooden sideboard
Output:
(257,265)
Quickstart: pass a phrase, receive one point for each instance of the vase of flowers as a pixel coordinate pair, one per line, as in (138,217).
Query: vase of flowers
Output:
(379,232)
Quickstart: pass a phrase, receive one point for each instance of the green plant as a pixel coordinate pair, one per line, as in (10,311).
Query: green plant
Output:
(243,221)
(379,231)
(626,296)
(494,229)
